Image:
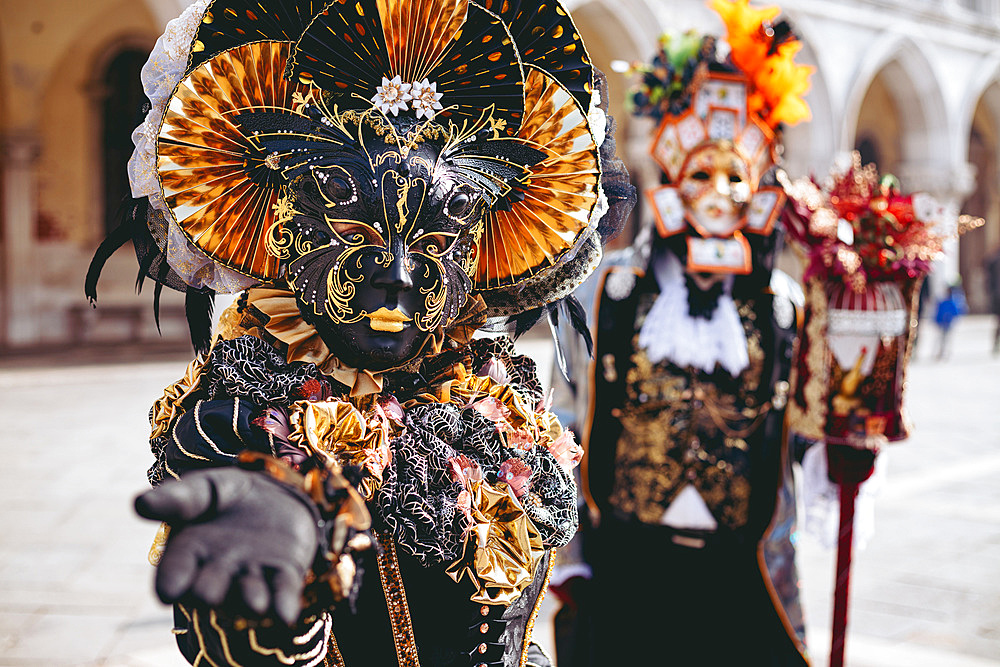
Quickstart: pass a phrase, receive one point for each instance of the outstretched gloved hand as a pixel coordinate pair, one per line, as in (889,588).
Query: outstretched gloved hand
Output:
(237,537)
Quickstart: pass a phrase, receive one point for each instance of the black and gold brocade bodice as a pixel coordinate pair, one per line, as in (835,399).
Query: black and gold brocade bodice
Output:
(422,599)
(657,427)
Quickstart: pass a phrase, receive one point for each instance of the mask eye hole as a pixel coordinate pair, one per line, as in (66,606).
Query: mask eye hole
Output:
(356,233)
(700,175)
(434,244)
(459,205)
(338,189)
(735,178)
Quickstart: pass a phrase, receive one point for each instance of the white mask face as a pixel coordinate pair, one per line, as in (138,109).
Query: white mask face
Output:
(715,187)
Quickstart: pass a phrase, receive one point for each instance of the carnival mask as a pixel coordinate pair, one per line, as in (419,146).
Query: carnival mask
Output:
(382,160)
(379,233)
(715,187)
(714,154)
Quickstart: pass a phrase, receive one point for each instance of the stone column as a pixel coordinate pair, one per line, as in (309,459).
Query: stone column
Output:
(951,187)
(20,325)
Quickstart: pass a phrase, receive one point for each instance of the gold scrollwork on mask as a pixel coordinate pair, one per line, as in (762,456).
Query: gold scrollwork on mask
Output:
(341,288)
(434,299)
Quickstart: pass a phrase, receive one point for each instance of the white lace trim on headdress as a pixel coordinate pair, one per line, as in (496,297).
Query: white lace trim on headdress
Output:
(160,75)
(670,333)
(198,269)
(597,119)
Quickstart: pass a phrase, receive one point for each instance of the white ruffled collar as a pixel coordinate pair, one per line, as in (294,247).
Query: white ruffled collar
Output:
(671,334)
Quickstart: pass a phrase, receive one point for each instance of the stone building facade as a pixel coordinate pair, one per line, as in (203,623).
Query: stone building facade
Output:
(914,84)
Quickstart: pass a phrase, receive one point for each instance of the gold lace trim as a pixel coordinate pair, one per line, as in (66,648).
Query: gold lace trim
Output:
(529,627)
(395,602)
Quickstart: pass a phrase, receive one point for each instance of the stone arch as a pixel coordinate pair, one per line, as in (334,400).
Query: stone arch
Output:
(983,132)
(986,75)
(897,70)
(615,30)
(116,108)
(810,145)
(72,145)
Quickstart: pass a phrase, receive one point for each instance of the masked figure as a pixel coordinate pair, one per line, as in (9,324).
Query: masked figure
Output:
(695,334)
(344,476)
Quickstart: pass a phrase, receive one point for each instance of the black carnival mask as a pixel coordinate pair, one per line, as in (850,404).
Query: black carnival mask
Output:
(384,160)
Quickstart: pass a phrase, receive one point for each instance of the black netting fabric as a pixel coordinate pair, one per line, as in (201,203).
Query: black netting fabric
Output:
(251,368)
(157,472)
(418,499)
(555,515)
(522,370)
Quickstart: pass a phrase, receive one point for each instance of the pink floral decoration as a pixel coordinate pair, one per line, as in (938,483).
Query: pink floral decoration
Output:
(496,370)
(517,474)
(566,450)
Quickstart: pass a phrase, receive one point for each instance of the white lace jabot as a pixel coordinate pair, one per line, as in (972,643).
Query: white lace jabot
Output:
(670,333)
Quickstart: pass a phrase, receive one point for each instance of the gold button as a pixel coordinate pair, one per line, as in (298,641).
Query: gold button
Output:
(484,628)
(482,648)
(484,610)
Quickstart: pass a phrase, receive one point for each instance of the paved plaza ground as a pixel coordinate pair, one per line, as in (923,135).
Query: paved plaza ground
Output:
(75,588)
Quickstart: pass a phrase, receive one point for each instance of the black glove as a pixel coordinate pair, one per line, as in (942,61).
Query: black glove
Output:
(237,536)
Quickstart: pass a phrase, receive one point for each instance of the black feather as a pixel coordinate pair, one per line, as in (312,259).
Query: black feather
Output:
(577,316)
(198,308)
(552,310)
(160,279)
(131,213)
(147,261)
(524,321)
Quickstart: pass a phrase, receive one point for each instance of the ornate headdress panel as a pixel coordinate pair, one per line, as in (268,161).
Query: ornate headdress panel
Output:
(718,111)
(867,247)
(466,135)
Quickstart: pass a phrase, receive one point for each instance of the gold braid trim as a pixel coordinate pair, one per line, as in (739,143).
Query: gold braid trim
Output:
(213,620)
(809,419)
(529,627)
(395,602)
(333,656)
(281,656)
(202,653)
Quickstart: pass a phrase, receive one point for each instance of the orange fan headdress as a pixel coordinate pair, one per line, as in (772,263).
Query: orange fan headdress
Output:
(247,94)
(733,93)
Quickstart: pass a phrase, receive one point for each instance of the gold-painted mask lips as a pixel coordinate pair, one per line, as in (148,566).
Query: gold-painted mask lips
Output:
(392,321)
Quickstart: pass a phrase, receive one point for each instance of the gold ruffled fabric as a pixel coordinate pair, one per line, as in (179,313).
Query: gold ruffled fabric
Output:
(169,406)
(285,323)
(502,549)
(352,437)
(520,424)
(304,342)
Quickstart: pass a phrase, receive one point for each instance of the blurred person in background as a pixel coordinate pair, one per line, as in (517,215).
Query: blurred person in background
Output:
(948,310)
(685,478)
